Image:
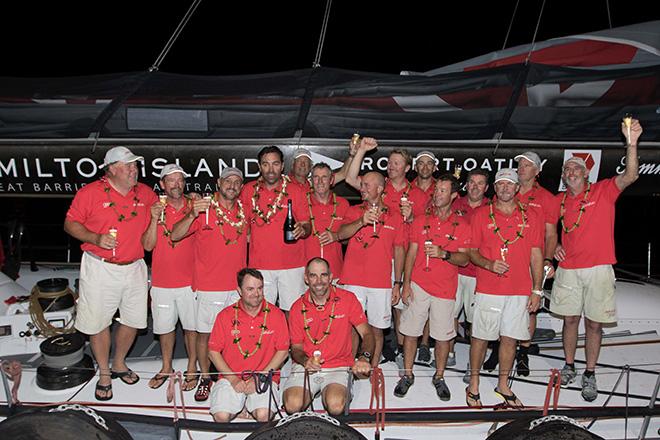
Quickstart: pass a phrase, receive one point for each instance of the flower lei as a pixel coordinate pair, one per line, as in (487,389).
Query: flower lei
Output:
(167,233)
(113,205)
(384,209)
(333,216)
(237,339)
(332,316)
(221,219)
(427,227)
(275,207)
(580,211)
(496,229)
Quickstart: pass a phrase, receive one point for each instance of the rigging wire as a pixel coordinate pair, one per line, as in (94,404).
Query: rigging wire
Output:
(324,29)
(506,38)
(538,23)
(175,35)
(609,16)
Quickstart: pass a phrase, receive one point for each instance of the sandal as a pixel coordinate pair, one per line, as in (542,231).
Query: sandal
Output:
(472,400)
(158,380)
(191,379)
(509,399)
(125,376)
(107,389)
(203,390)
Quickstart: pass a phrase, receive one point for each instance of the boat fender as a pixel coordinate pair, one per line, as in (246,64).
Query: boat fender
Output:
(306,425)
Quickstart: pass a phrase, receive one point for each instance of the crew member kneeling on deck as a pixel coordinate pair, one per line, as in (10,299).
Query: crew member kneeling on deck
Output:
(320,323)
(506,247)
(248,340)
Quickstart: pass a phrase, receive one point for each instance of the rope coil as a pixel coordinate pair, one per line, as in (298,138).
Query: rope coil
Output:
(37,312)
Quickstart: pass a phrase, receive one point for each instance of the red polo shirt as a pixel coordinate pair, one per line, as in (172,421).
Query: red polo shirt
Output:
(517,280)
(336,347)
(172,263)
(592,243)
(451,234)
(267,247)
(463,209)
(543,201)
(304,187)
(417,197)
(368,260)
(428,191)
(322,214)
(99,210)
(227,328)
(219,257)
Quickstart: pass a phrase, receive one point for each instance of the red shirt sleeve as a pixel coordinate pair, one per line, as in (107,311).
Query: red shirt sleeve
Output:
(80,207)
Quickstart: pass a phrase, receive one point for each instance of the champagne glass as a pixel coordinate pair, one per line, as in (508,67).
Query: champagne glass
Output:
(403,201)
(162,198)
(457,170)
(426,244)
(627,121)
(504,251)
(374,208)
(113,233)
(209,197)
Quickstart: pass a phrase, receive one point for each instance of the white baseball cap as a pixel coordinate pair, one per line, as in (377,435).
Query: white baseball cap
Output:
(172,168)
(119,154)
(302,152)
(578,161)
(425,153)
(532,157)
(507,174)
(231,171)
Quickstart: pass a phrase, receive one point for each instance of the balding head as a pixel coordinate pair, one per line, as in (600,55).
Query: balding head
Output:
(372,186)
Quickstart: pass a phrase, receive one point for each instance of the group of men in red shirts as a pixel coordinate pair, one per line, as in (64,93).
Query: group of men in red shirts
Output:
(416,246)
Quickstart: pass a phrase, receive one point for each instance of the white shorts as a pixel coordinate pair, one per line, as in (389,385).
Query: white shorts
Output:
(377,304)
(423,307)
(209,304)
(500,315)
(106,288)
(465,296)
(168,305)
(225,399)
(317,381)
(288,284)
(589,291)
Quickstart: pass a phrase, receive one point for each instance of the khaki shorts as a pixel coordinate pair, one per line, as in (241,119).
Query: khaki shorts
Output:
(287,284)
(225,399)
(317,381)
(106,288)
(423,306)
(589,291)
(209,304)
(170,305)
(376,303)
(465,296)
(500,315)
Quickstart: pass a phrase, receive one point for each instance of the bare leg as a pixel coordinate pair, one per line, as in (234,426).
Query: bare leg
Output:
(378,346)
(203,353)
(441,353)
(293,399)
(190,339)
(425,334)
(507,353)
(409,349)
(477,355)
(334,399)
(124,337)
(452,342)
(167,349)
(569,337)
(397,320)
(594,338)
(100,343)
(532,329)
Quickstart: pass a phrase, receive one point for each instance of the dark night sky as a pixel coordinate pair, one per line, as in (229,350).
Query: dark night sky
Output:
(224,38)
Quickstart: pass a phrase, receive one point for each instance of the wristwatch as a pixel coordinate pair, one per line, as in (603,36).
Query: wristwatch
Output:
(365,354)
(447,256)
(538,292)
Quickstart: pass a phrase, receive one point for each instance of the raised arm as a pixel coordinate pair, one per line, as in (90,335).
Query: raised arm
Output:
(631,173)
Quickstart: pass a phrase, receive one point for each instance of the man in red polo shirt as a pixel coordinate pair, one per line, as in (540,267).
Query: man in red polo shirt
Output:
(326,212)
(584,282)
(249,337)
(465,206)
(220,228)
(109,217)
(281,264)
(321,323)
(506,248)
(377,236)
(534,196)
(425,165)
(172,297)
(439,241)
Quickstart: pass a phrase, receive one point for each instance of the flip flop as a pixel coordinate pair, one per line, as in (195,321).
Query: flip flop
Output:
(190,383)
(510,400)
(158,380)
(107,389)
(472,400)
(203,390)
(125,376)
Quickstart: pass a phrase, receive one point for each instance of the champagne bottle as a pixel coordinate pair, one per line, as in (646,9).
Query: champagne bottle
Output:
(289,225)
